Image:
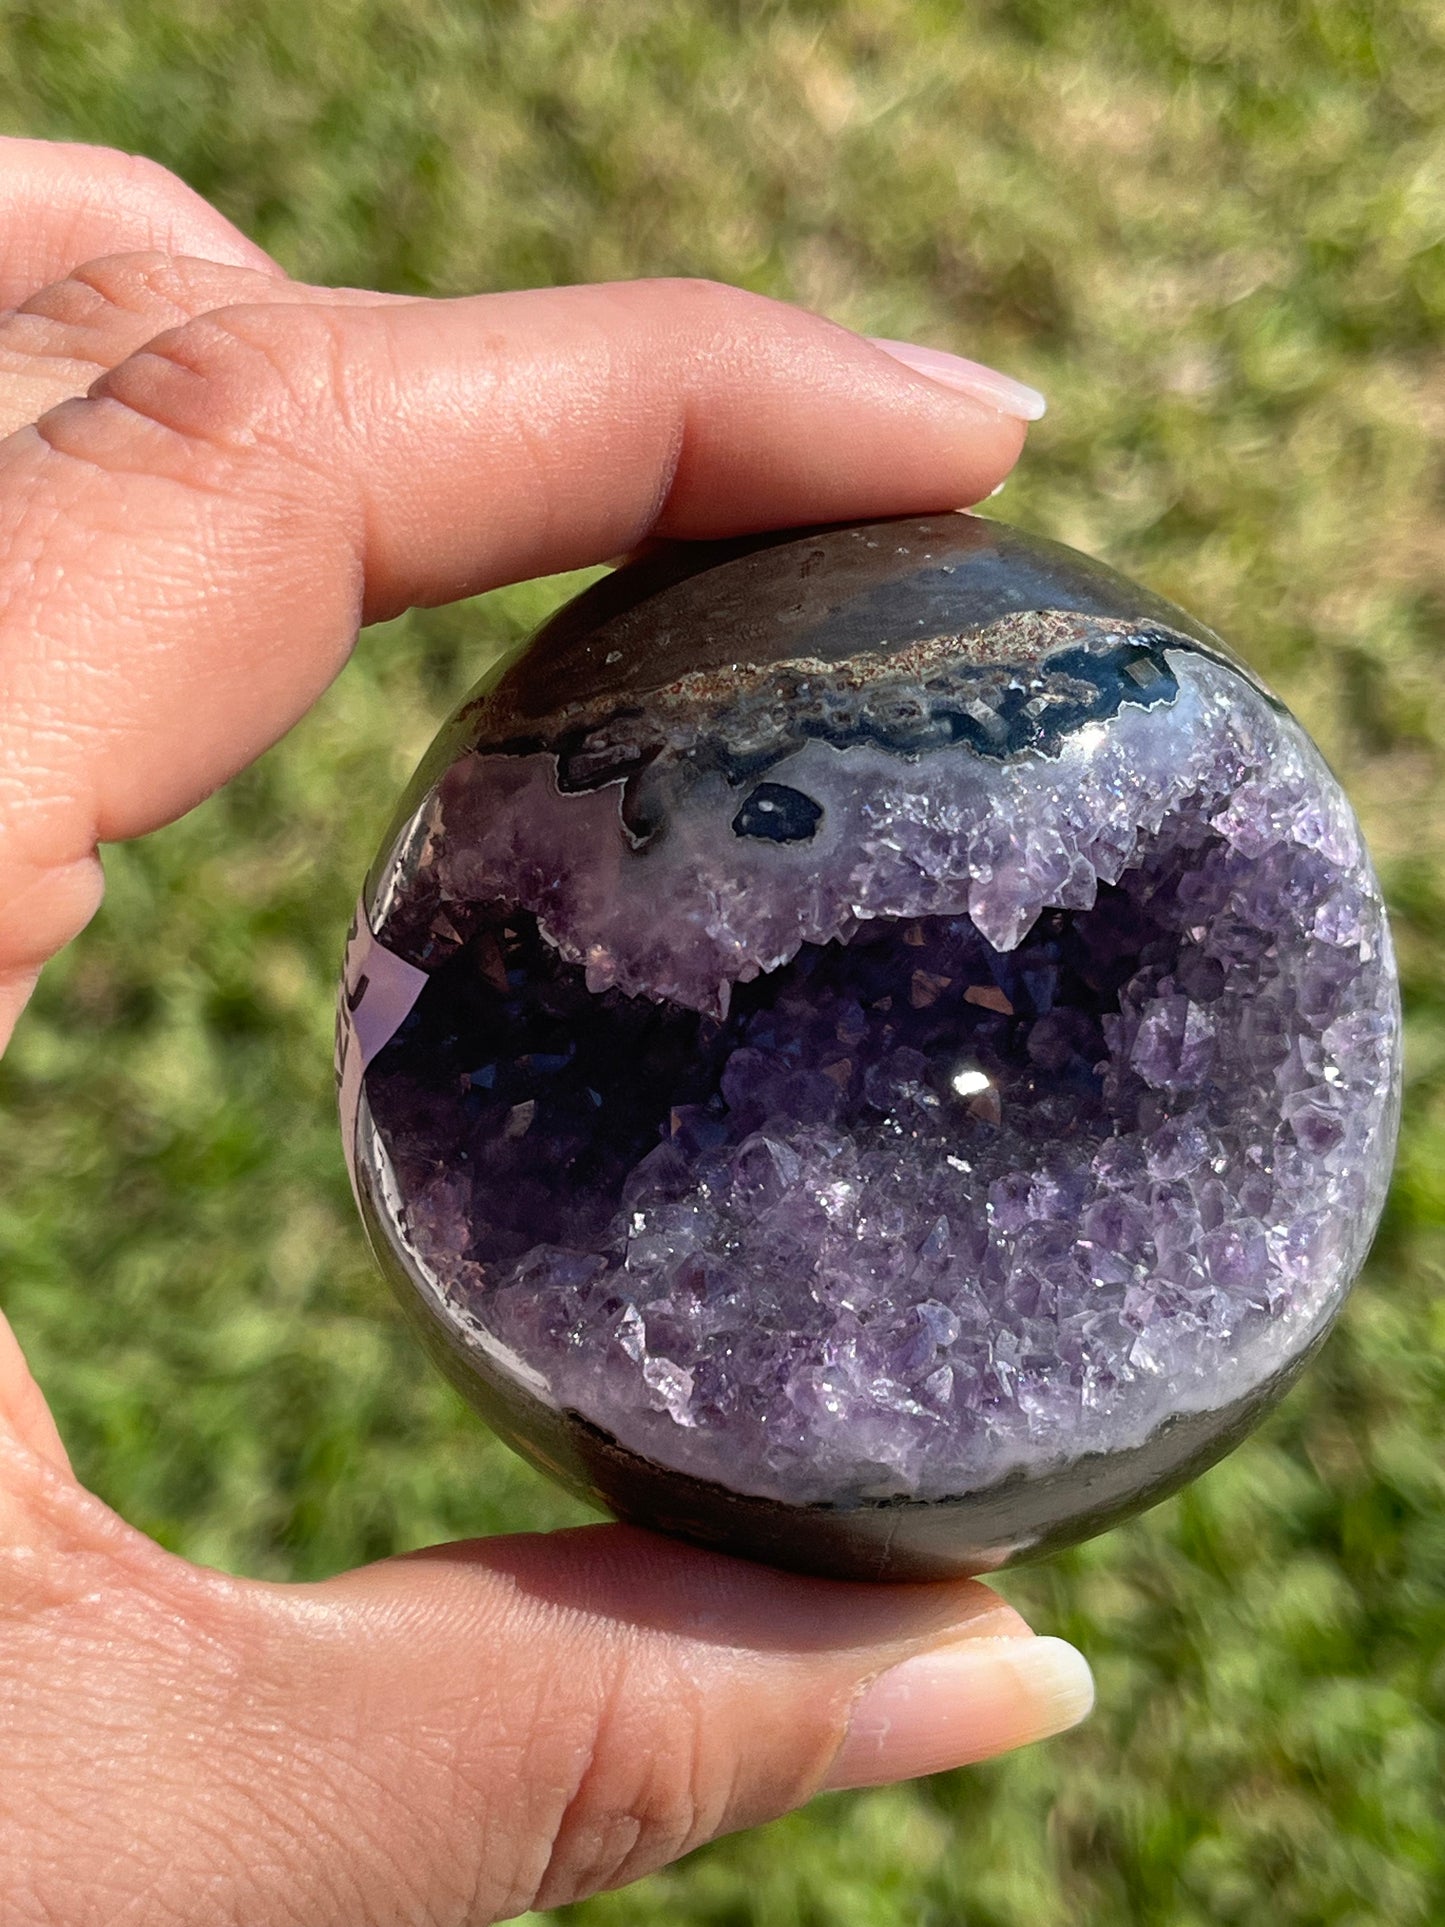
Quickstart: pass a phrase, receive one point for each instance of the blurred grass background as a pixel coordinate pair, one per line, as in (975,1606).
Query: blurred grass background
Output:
(1214,233)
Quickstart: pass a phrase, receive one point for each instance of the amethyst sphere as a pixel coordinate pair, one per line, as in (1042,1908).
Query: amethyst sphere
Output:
(874,1048)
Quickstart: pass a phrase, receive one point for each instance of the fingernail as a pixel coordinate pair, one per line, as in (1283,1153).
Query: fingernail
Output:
(961,1703)
(985,384)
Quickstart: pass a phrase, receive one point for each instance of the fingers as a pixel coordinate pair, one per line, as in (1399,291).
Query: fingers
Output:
(458,1737)
(185,553)
(62,204)
(56,343)
(648,1697)
(641,1697)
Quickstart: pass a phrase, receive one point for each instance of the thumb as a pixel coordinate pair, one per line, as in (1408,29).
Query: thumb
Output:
(458,1736)
(536,1718)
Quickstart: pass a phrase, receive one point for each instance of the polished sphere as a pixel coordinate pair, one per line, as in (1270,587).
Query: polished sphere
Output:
(875,1048)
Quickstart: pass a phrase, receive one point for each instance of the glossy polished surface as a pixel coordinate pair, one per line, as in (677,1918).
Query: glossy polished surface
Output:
(876,1048)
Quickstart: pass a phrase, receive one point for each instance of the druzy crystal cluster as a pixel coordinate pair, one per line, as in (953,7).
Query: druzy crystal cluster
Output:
(861,1074)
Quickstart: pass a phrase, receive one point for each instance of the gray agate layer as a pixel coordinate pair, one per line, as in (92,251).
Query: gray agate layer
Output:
(899,1060)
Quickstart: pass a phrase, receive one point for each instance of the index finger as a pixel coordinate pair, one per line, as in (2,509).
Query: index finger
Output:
(186,553)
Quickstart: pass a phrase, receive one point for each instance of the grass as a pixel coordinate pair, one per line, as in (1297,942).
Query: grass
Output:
(1214,233)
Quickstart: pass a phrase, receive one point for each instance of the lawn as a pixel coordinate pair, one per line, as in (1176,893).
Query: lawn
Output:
(1214,234)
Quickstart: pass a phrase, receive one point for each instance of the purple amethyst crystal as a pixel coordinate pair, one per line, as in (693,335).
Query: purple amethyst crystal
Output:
(877,1048)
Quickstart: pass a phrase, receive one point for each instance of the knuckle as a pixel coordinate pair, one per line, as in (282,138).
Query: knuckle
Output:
(735,328)
(648,1792)
(232,379)
(146,284)
(58,341)
(54,345)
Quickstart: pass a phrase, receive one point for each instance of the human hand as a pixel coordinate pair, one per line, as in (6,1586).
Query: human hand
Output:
(210,476)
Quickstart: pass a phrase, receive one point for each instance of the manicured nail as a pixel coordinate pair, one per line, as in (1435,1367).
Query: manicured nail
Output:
(961,1703)
(987,385)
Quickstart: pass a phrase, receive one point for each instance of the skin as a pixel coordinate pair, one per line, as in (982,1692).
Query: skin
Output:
(209,477)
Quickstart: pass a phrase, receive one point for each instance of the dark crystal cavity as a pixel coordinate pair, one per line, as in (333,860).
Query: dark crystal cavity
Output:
(1007,1078)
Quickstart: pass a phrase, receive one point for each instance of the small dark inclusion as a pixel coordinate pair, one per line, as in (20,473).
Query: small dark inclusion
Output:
(1012,1069)
(779,814)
